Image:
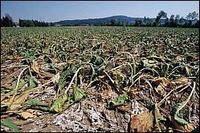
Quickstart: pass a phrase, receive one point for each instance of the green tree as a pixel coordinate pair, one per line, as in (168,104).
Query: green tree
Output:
(177,18)
(192,16)
(172,21)
(7,21)
(138,22)
(160,15)
(182,21)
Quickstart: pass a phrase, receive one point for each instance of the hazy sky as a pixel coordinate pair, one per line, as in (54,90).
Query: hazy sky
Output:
(61,10)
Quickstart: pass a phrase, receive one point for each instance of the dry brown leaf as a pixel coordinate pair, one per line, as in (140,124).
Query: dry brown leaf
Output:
(182,81)
(142,122)
(35,67)
(184,128)
(124,108)
(132,93)
(20,99)
(189,127)
(161,80)
(107,93)
(26,115)
(162,84)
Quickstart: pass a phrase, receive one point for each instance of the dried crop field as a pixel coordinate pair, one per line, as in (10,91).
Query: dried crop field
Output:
(99,79)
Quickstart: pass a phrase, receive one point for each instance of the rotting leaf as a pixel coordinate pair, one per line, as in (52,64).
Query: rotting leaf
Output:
(32,82)
(119,100)
(58,104)
(10,124)
(78,93)
(64,76)
(37,104)
(142,122)
(179,106)
(184,128)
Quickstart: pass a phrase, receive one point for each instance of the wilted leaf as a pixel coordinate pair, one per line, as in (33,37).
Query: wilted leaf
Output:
(175,112)
(21,84)
(37,104)
(119,100)
(142,122)
(179,106)
(26,115)
(161,85)
(161,80)
(66,74)
(19,100)
(184,128)
(58,104)
(35,67)
(182,81)
(32,82)
(78,93)
(10,124)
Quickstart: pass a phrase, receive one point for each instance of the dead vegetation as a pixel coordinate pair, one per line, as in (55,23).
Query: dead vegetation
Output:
(99,79)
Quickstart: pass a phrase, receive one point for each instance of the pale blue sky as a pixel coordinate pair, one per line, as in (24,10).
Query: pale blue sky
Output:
(61,10)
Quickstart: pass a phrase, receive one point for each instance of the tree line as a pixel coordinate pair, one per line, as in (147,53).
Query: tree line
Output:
(161,20)
(7,21)
(173,21)
(34,23)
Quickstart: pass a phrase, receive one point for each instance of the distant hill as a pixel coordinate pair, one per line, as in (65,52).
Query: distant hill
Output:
(100,21)
(117,20)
